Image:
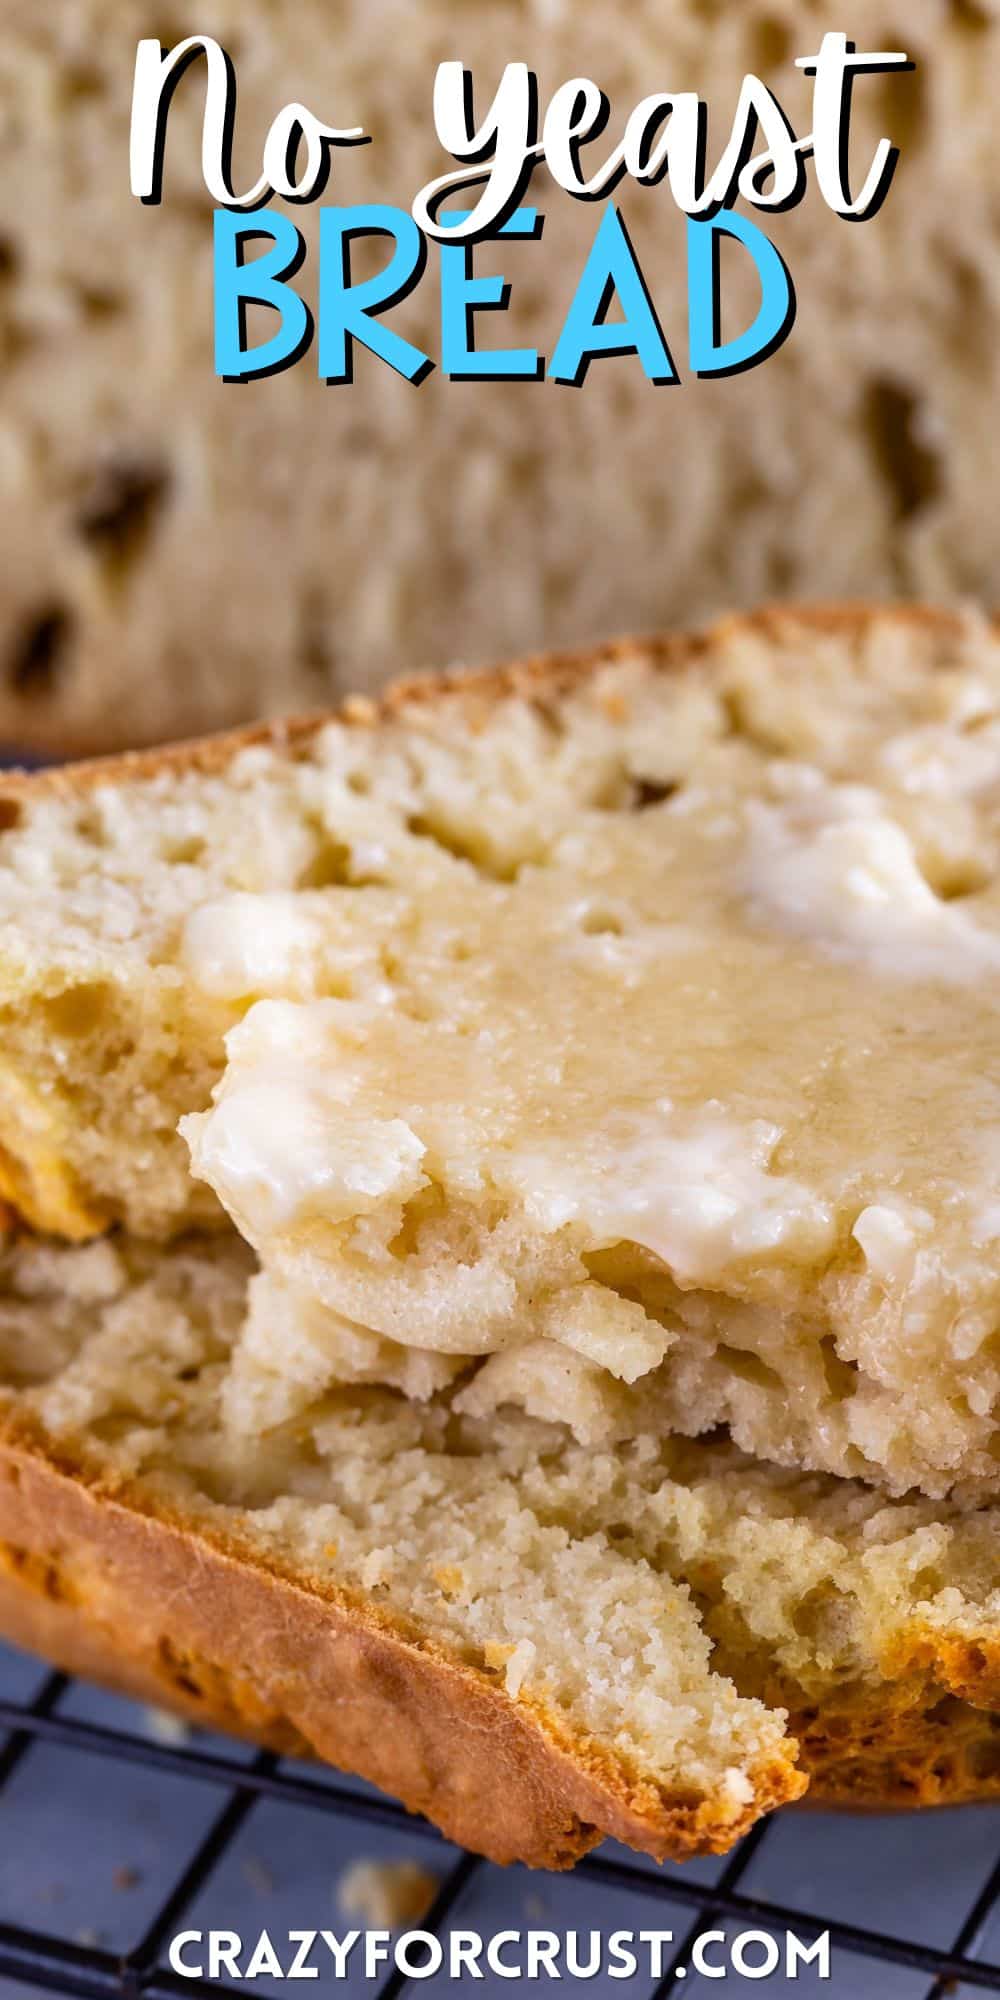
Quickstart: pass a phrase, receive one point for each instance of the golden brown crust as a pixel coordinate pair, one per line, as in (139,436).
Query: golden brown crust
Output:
(937,1752)
(968,1667)
(102,1587)
(535,676)
(210,754)
(100,1582)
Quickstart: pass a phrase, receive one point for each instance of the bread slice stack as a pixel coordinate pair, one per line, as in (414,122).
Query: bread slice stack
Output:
(501,1286)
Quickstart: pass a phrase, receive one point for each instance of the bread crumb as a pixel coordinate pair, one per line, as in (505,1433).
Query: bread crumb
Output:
(386,1894)
(736,1789)
(167,1728)
(359,708)
(449,1578)
(517,1660)
(126,1878)
(376,1568)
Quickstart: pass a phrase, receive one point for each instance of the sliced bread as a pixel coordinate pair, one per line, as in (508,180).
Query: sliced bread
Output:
(533,1642)
(613,1036)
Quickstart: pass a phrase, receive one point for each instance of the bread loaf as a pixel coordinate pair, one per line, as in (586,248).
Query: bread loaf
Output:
(181,554)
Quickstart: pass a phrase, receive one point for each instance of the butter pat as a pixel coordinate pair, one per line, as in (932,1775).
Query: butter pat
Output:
(697,1193)
(833,868)
(243,944)
(284,1142)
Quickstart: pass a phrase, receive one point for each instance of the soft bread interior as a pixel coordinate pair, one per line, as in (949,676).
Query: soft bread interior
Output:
(573,1020)
(657,1600)
(404,1507)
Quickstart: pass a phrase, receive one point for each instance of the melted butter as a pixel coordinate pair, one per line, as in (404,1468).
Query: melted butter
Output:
(831,866)
(740,1035)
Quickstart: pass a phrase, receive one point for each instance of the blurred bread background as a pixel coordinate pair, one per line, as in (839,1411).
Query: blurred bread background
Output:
(180,553)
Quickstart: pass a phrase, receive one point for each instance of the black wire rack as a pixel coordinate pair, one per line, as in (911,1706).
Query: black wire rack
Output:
(84,1971)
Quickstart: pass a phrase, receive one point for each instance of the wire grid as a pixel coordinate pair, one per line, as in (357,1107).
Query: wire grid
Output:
(52,1963)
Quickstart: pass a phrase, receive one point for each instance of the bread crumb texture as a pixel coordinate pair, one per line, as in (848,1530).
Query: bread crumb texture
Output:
(667,1612)
(180,555)
(612,1040)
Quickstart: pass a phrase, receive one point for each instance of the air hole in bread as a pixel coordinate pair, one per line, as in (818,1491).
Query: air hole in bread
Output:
(330,866)
(928,1582)
(452,842)
(79,1011)
(750,1368)
(780,571)
(99,302)
(739,722)
(636,1274)
(967,875)
(10,258)
(81,82)
(812,1619)
(314,648)
(11,814)
(648,792)
(772,45)
(423,1208)
(38,656)
(616,794)
(899,100)
(597,921)
(841,1376)
(120,506)
(187,851)
(89,826)
(911,471)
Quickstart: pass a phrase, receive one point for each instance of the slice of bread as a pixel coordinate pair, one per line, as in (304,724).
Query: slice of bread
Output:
(366,1580)
(181,554)
(533,1642)
(614,1034)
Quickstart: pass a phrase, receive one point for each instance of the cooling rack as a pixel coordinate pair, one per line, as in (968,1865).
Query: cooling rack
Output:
(195,1831)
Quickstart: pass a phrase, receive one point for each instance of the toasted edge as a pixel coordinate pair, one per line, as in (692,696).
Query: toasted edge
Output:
(98,1579)
(101,1579)
(536,677)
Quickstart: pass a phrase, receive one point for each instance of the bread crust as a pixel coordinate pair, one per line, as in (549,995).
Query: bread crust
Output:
(935,1751)
(103,1580)
(102,1583)
(536,677)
